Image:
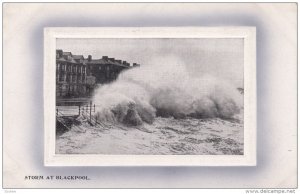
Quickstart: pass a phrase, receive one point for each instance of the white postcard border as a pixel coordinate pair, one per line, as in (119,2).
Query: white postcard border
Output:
(249,157)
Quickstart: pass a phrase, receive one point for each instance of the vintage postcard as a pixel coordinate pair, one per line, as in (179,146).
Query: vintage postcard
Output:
(176,96)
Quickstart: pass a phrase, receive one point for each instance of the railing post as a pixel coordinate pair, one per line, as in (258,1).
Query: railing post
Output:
(79,110)
(94,108)
(57,112)
(90,111)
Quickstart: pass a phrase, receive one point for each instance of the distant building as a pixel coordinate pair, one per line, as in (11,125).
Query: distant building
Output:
(77,76)
(105,69)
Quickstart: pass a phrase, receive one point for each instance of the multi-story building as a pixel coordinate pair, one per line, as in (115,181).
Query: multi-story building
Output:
(77,76)
(70,74)
(105,69)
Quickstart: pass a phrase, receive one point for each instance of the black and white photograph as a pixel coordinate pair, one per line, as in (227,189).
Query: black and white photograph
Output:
(150,96)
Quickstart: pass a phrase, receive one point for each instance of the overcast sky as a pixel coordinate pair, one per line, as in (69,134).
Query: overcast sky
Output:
(220,57)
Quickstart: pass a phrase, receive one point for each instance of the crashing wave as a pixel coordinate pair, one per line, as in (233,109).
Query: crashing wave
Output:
(166,90)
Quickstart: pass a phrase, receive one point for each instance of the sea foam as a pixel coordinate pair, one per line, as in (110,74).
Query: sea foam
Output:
(163,87)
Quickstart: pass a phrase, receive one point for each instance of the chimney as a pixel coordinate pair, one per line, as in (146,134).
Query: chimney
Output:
(136,65)
(59,53)
(111,59)
(89,57)
(126,64)
(105,58)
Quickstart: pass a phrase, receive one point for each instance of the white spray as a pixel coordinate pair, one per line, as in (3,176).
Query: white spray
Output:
(164,88)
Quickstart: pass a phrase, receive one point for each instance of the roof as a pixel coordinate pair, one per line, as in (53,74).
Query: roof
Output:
(67,53)
(78,57)
(104,62)
(97,61)
(68,57)
(61,59)
(70,61)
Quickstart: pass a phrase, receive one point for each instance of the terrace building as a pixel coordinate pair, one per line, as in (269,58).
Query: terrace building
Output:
(106,69)
(77,76)
(70,74)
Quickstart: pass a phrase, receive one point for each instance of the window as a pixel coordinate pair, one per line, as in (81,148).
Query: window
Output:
(60,77)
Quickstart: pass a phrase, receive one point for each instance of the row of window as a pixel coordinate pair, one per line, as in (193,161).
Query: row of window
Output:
(70,78)
(69,90)
(70,68)
(99,68)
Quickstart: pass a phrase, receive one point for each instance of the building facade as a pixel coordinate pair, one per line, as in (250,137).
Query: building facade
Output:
(106,69)
(77,76)
(70,74)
